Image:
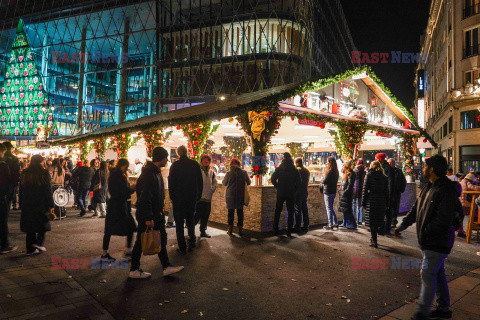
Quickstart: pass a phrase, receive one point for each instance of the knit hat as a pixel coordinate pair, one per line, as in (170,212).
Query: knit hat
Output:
(79,164)
(360,162)
(158,154)
(381,156)
(439,165)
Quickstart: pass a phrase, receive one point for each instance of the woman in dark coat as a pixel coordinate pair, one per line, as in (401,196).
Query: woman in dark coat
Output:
(374,200)
(236,180)
(346,197)
(36,201)
(99,183)
(119,220)
(329,183)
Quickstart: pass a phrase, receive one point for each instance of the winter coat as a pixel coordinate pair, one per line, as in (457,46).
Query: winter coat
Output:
(57,179)
(83,177)
(330,182)
(36,202)
(100,187)
(286,179)
(435,213)
(13,166)
(467,185)
(399,182)
(305,178)
(209,184)
(4,186)
(235,180)
(150,194)
(346,194)
(375,198)
(359,180)
(185,183)
(389,172)
(119,220)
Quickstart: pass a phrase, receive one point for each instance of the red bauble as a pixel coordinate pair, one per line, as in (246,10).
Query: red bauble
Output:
(424,140)
(198,131)
(178,127)
(350,145)
(478,118)
(293,119)
(195,143)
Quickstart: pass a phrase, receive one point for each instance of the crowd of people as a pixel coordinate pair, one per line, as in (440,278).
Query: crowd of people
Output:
(369,196)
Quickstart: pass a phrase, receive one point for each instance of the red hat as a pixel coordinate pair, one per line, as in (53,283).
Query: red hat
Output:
(79,164)
(381,156)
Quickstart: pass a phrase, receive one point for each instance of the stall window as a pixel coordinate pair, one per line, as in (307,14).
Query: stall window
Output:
(470,158)
(469,120)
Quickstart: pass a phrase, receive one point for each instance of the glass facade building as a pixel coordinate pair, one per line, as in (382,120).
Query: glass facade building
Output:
(105,62)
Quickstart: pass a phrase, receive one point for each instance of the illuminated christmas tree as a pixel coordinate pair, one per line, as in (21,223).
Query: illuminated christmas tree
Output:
(24,106)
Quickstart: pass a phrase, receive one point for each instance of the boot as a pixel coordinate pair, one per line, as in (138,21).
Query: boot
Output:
(230,230)
(240,231)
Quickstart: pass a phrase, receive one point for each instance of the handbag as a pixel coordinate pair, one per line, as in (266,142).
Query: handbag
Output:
(246,199)
(150,242)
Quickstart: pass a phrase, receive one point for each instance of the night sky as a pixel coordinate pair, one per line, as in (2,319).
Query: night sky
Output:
(385,26)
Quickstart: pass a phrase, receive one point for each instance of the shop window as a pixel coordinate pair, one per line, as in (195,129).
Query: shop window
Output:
(471,76)
(470,158)
(472,7)
(471,43)
(469,120)
(450,124)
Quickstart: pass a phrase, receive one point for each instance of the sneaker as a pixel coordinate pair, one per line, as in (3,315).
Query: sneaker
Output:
(107,257)
(41,248)
(327,228)
(171,270)
(139,274)
(360,223)
(8,249)
(205,235)
(439,314)
(33,252)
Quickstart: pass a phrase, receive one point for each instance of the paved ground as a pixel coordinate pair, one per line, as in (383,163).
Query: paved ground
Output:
(308,277)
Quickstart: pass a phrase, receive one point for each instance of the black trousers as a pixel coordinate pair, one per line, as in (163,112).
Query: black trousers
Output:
(159,224)
(388,220)
(106,240)
(4,209)
(374,233)
(34,238)
(184,214)
(202,213)
(395,205)
(279,208)
(301,211)
(231,217)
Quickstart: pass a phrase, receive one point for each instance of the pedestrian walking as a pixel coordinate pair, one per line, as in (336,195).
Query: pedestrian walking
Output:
(14,168)
(360,173)
(437,213)
(94,165)
(236,180)
(100,188)
(329,185)
(399,185)
(346,197)
(5,183)
(286,179)
(168,208)
(204,206)
(388,170)
(57,174)
(36,201)
(82,175)
(149,214)
(119,220)
(185,188)
(375,198)
(301,198)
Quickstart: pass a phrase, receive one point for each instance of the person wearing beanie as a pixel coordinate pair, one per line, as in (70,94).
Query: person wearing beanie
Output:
(437,214)
(286,179)
(357,191)
(150,204)
(204,206)
(391,182)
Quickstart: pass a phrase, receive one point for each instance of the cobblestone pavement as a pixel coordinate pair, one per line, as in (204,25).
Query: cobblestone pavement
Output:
(313,276)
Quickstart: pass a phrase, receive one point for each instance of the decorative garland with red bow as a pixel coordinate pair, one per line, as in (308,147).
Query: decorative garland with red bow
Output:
(121,143)
(348,138)
(197,134)
(85,149)
(407,151)
(155,137)
(100,147)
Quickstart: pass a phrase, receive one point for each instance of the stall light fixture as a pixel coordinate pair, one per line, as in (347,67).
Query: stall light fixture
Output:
(222,98)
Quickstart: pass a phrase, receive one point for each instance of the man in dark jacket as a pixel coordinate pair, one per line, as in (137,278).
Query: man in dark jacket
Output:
(5,184)
(437,213)
(286,179)
(400,183)
(391,181)
(150,202)
(14,167)
(357,191)
(83,175)
(301,207)
(185,186)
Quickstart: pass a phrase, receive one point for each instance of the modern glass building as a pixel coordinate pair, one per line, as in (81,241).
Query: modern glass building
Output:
(104,62)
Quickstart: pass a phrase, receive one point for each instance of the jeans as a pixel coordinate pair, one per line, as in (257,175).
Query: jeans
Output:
(332,217)
(231,217)
(158,224)
(101,209)
(434,282)
(202,213)
(357,209)
(80,196)
(279,208)
(182,214)
(301,211)
(34,238)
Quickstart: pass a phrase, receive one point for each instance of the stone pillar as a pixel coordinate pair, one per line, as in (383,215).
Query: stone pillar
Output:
(81,83)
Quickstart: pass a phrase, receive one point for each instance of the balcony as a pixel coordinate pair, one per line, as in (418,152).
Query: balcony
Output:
(471,11)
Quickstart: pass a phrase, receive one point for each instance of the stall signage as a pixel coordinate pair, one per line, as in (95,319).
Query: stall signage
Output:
(374,102)
(42,145)
(421,83)
(314,123)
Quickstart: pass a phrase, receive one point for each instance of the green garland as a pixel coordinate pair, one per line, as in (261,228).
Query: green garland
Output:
(208,147)
(100,146)
(349,135)
(85,149)
(197,134)
(407,150)
(121,143)
(155,137)
(235,146)
(297,150)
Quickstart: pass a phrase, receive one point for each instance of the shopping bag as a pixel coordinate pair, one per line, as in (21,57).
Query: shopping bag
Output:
(150,242)
(246,199)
